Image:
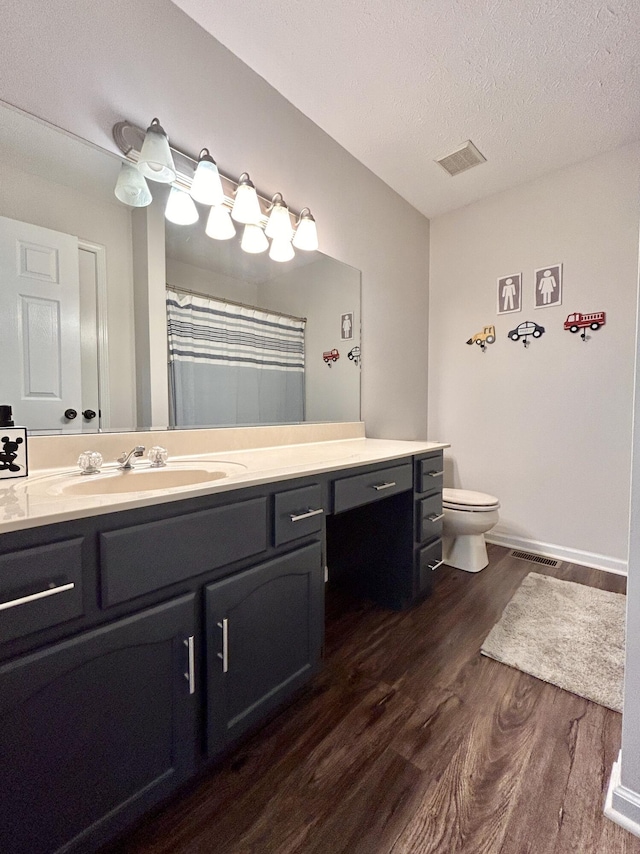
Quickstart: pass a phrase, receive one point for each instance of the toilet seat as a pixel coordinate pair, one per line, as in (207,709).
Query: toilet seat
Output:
(468,501)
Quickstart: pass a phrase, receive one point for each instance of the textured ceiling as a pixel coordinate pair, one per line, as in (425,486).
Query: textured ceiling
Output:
(536,84)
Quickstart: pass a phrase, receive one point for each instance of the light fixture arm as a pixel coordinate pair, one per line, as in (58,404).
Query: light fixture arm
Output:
(129,138)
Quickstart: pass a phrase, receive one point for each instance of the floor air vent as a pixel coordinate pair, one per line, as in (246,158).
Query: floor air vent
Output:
(546,561)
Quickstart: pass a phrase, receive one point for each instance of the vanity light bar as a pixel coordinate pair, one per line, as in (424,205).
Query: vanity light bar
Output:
(129,139)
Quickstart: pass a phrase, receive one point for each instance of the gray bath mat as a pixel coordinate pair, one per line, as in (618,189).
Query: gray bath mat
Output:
(564,633)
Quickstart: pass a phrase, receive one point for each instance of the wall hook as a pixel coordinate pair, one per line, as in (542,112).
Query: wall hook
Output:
(354,355)
(330,356)
(577,321)
(524,330)
(487,336)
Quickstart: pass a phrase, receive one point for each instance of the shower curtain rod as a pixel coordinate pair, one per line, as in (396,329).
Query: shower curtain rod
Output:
(233,302)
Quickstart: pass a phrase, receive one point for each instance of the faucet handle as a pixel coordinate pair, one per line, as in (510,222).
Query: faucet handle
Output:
(157,456)
(90,462)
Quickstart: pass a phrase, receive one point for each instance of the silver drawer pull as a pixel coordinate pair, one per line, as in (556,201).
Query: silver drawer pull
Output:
(379,486)
(297,517)
(34,596)
(224,655)
(435,473)
(190,676)
(435,565)
(435,517)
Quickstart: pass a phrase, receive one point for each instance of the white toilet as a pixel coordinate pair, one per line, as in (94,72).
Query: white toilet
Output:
(467,518)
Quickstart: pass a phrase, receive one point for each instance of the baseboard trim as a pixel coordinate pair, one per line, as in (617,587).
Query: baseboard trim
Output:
(622,806)
(592,559)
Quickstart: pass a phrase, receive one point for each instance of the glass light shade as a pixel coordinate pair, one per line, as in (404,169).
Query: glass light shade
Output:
(131,188)
(281,249)
(279,224)
(207,186)
(180,208)
(219,224)
(246,207)
(155,161)
(306,236)
(254,240)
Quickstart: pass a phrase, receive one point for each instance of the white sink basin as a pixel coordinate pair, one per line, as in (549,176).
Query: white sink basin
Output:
(140,479)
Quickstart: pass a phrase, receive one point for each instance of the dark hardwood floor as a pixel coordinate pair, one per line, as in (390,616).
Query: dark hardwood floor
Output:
(411,741)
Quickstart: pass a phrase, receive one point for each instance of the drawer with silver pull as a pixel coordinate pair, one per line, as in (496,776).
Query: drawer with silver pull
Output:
(362,489)
(430,516)
(430,473)
(429,561)
(40,587)
(297,513)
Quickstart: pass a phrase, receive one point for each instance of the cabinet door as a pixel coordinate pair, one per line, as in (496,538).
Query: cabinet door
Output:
(96,729)
(264,640)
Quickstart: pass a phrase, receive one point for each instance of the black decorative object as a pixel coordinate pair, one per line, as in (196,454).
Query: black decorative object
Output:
(13,446)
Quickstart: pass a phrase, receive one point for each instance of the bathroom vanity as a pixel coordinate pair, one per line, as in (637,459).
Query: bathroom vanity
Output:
(142,635)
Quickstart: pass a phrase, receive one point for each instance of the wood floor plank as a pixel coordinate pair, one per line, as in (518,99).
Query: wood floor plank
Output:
(468,807)
(411,741)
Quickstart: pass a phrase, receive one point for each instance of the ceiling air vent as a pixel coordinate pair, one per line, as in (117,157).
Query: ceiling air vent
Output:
(463,158)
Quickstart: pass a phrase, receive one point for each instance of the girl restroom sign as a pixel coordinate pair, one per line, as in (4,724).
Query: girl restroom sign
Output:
(548,286)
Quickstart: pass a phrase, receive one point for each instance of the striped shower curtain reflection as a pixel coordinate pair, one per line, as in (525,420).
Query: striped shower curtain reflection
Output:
(233,365)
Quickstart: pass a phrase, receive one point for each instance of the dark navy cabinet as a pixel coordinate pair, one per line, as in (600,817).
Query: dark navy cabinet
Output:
(96,729)
(264,639)
(138,646)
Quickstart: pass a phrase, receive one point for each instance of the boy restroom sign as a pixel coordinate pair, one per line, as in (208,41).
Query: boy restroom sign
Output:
(346,326)
(510,293)
(548,286)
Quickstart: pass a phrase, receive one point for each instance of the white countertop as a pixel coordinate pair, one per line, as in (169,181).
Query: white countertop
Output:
(40,499)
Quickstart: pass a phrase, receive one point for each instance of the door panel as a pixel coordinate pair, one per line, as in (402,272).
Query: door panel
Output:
(40,325)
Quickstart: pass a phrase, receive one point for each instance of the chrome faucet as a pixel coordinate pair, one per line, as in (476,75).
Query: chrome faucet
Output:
(125,459)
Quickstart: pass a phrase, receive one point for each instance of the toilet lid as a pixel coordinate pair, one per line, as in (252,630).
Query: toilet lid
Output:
(466,498)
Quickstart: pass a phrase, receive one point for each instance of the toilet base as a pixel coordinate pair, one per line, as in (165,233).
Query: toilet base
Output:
(466,551)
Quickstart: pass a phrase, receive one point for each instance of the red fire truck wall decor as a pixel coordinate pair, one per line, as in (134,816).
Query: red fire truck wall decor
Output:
(577,321)
(330,356)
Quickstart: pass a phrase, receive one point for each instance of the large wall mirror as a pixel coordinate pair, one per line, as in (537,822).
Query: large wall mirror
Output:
(71,280)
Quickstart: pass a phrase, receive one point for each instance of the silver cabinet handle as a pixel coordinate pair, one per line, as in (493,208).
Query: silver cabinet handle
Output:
(436,565)
(190,676)
(297,517)
(435,473)
(379,486)
(435,517)
(224,655)
(33,596)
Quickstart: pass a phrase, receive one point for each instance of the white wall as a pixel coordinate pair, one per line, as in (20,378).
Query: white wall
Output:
(546,429)
(93,64)
(322,292)
(192,278)
(31,198)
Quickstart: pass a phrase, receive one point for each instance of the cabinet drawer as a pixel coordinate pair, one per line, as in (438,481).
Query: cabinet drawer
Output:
(430,517)
(429,559)
(40,587)
(298,513)
(361,489)
(430,473)
(147,557)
